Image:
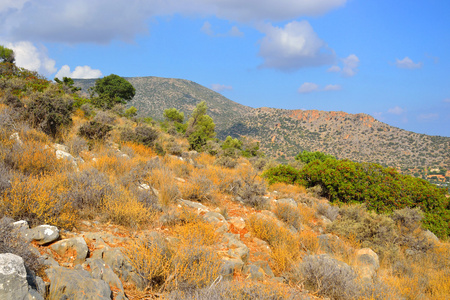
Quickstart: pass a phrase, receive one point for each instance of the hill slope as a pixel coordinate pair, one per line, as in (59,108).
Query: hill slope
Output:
(283,133)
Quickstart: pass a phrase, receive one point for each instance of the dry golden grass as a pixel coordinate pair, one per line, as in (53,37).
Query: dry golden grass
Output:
(123,208)
(198,188)
(140,149)
(197,232)
(36,200)
(309,241)
(287,190)
(284,244)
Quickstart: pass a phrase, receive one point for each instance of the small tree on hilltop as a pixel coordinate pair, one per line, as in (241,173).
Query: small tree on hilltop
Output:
(6,54)
(112,90)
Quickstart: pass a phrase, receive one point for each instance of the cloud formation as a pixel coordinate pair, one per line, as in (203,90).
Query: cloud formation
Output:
(397,110)
(32,58)
(407,63)
(332,87)
(101,21)
(428,117)
(233,32)
(220,87)
(349,66)
(293,47)
(83,72)
(308,87)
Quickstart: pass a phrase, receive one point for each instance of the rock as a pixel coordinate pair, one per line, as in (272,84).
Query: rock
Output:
(21,226)
(367,262)
(65,155)
(198,206)
(237,222)
(288,201)
(76,284)
(120,264)
(144,186)
(60,147)
(100,270)
(217,219)
(15,136)
(229,266)
(254,272)
(43,234)
(77,244)
(331,244)
(264,265)
(431,236)
(13,277)
(243,253)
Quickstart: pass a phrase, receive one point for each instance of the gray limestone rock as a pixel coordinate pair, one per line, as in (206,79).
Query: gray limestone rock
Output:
(76,284)
(77,244)
(43,234)
(13,277)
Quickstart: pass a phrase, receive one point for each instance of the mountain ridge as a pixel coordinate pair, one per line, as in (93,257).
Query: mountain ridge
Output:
(283,133)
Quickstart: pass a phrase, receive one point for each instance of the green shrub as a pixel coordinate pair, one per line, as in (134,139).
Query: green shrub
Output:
(282,173)
(381,189)
(142,134)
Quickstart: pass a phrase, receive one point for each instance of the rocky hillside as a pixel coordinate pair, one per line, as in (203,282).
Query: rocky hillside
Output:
(284,133)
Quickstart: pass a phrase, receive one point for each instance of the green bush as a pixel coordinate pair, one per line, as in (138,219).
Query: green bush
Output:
(381,189)
(282,173)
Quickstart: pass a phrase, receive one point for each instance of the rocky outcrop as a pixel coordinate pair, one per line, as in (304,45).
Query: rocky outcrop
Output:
(76,284)
(76,247)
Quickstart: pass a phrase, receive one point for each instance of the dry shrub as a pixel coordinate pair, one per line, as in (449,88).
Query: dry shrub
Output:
(163,180)
(283,243)
(194,267)
(176,217)
(307,214)
(205,159)
(151,259)
(197,232)
(87,190)
(289,215)
(248,290)
(328,277)
(123,208)
(77,145)
(179,167)
(140,149)
(371,230)
(198,188)
(285,190)
(309,241)
(327,210)
(252,192)
(36,201)
(34,158)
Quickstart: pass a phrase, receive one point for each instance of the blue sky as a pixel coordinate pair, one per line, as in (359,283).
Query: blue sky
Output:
(389,59)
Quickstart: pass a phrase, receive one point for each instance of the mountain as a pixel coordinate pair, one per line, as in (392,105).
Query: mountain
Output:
(283,133)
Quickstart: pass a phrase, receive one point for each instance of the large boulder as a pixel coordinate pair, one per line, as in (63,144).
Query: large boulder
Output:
(76,284)
(76,246)
(367,263)
(43,234)
(100,270)
(13,279)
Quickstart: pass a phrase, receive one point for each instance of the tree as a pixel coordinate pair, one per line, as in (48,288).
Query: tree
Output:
(173,115)
(6,54)
(112,90)
(200,127)
(69,83)
(307,157)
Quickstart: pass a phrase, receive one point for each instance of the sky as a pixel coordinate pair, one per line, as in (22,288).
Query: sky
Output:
(389,59)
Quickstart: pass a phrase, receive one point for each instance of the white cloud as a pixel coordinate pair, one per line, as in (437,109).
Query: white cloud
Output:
(79,72)
(332,87)
(206,29)
(308,87)
(397,110)
(428,117)
(293,47)
(28,56)
(407,63)
(351,64)
(220,87)
(334,69)
(101,21)
(233,32)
